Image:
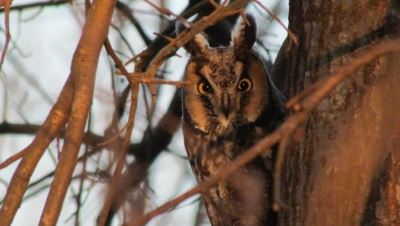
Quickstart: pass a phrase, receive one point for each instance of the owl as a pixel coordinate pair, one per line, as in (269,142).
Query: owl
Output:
(229,105)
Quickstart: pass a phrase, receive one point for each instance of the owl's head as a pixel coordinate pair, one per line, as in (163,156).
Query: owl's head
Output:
(229,85)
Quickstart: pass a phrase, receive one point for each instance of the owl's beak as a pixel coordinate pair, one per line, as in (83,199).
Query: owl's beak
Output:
(225,105)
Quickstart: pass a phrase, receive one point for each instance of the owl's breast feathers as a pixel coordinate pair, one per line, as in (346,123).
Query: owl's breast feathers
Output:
(244,198)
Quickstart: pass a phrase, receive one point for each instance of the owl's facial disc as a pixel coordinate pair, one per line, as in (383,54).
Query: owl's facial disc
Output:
(219,99)
(224,94)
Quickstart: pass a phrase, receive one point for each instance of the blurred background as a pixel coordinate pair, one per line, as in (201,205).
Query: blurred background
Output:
(43,39)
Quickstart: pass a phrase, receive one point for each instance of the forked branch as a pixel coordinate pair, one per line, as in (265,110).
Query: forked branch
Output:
(83,70)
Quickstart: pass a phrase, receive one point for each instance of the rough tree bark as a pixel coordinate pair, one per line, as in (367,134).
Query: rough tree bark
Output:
(345,170)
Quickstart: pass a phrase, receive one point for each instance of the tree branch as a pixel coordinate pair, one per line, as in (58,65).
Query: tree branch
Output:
(7,4)
(128,14)
(37,4)
(126,143)
(83,69)
(55,121)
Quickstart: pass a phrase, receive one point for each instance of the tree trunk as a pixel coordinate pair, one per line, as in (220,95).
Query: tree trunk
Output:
(345,171)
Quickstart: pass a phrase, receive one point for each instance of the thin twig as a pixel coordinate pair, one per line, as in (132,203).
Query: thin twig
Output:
(13,158)
(113,138)
(159,81)
(121,157)
(36,4)
(117,61)
(162,10)
(7,5)
(124,39)
(292,36)
(127,12)
(126,143)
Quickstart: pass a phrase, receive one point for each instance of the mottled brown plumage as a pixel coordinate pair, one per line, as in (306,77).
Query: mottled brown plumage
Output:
(230,105)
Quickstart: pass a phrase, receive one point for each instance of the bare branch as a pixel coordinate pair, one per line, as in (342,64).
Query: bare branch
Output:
(13,158)
(55,121)
(121,156)
(37,4)
(126,143)
(128,13)
(83,70)
(162,10)
(292,36)
(7,4)
(139,78)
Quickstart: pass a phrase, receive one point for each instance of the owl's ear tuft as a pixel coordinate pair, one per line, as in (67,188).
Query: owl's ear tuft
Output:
(198,45)
(244,34)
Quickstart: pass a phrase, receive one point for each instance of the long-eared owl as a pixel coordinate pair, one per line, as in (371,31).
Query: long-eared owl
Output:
(229,105)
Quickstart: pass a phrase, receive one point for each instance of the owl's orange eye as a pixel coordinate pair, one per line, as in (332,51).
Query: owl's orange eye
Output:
(204,88)
(245,85)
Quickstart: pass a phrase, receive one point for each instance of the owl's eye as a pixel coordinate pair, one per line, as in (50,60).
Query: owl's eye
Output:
(245,85)
(204,87)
